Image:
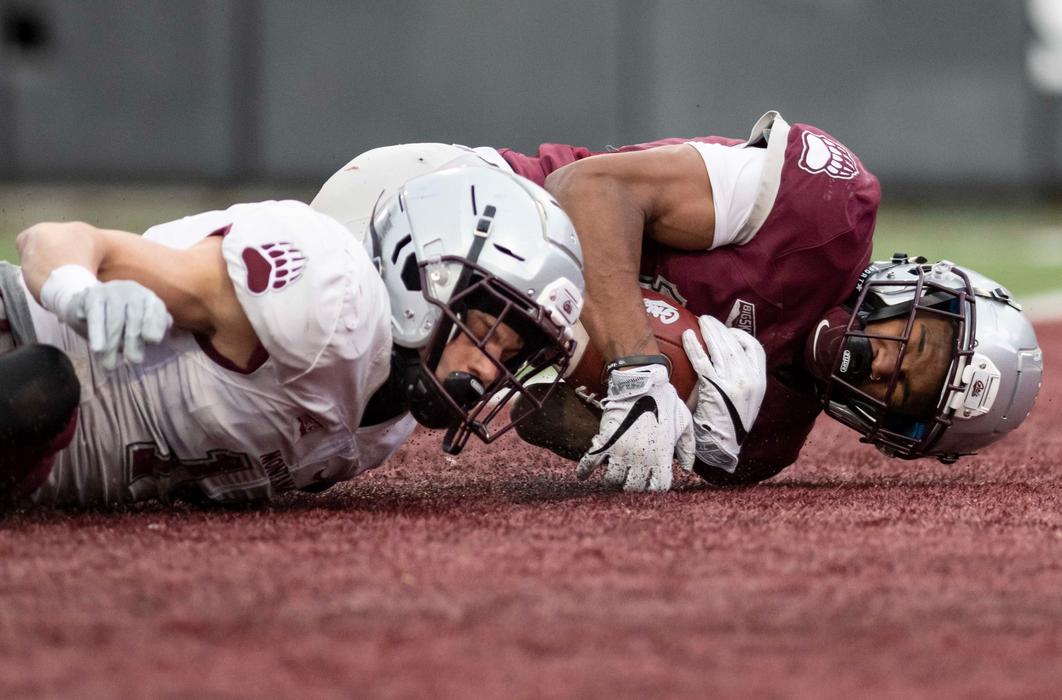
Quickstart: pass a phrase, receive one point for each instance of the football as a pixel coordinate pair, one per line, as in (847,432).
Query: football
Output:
(668,321)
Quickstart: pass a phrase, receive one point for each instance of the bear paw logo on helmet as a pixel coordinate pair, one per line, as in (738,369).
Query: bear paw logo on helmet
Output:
(824,155)
(272,266)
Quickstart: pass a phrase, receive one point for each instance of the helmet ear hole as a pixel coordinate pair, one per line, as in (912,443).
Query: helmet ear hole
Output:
(411,274)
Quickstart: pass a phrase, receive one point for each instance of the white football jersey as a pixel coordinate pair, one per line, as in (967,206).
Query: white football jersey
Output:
(188,423)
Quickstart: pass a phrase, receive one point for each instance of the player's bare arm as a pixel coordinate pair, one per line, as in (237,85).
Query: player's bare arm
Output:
(193,283)
(614,201)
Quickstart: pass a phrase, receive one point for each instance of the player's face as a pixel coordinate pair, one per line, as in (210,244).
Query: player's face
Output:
(924,366)
(462,355)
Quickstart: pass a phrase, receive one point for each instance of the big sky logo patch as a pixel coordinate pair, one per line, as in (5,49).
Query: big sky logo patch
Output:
(743,316)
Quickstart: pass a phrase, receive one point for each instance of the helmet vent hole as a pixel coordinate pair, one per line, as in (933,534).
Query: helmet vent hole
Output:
(508,252)
(398,248)
(411,274)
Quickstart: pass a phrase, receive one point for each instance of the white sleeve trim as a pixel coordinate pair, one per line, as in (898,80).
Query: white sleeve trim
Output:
(745,179)
(775,130)
(735,176)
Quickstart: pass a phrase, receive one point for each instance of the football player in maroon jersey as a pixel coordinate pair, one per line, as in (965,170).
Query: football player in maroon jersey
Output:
(768,240)
(772,236)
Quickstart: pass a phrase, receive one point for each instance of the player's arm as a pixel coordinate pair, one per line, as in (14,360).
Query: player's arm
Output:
(192,283)
(614,201)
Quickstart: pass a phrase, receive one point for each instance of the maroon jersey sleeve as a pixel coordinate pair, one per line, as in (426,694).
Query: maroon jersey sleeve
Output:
(554,156)
(550,157)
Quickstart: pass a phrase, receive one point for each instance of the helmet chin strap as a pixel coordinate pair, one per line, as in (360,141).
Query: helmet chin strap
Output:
(830,345)
(426,403)
(433,411)
(856,358)
(467,391)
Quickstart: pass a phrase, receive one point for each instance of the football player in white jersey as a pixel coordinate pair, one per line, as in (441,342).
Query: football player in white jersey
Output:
(234,355)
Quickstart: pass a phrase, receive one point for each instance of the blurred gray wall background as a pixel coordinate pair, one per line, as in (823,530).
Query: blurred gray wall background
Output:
(928,92)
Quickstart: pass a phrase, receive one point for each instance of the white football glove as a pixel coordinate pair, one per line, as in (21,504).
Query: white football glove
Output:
(645,425)
(116,317)
(730,389)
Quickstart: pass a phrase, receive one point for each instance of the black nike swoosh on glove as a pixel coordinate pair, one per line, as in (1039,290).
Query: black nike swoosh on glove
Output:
(646,404)
(739,430)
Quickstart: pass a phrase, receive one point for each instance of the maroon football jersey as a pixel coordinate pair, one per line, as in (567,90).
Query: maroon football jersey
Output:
(804,260)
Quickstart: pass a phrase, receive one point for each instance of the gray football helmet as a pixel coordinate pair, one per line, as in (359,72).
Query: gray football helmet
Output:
(991,383)
(476,238)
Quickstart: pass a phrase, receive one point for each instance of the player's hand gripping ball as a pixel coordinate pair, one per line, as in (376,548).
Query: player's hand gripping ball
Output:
(668,321)
(733,380)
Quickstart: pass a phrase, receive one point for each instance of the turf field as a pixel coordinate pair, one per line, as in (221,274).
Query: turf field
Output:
(498,575)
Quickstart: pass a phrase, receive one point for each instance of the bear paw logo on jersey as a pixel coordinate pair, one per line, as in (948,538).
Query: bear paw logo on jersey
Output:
(824,155)
(272,266)
(667,313)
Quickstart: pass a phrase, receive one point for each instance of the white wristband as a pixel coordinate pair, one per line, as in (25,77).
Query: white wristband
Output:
(65,282)
(628,382)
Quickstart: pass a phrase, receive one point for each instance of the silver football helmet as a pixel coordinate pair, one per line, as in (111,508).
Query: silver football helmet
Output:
(476,238)
(989,387)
